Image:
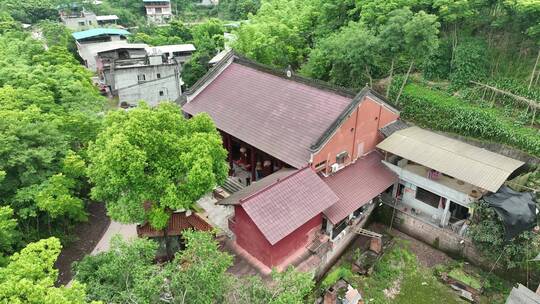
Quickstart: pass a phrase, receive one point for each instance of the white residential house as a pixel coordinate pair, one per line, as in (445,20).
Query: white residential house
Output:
(78,19)
(150,74)
(158,11)
(440,177)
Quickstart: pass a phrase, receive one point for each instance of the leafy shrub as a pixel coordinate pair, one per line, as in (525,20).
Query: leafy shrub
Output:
(487,233)
(470,62)
(331,278)
(440,111)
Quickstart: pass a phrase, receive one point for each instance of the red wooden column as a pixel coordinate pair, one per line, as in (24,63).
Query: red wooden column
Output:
(253,163)
(229,150)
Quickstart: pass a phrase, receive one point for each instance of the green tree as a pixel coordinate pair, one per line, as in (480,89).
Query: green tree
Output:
(198,274)
(238,9)
(391,36)
(49,108)
(156,156)
(124,274)
(470,62)
(8,232)
(280,34)
(421,40)
(30,275)
(455,13)
(346,58)
(374,13)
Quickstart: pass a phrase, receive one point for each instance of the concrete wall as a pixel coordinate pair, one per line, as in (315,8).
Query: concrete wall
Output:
(251,239)
(129,89)
(412,181)
(153,16)
(358,135)
(340,245)
(81,23)
(443,239)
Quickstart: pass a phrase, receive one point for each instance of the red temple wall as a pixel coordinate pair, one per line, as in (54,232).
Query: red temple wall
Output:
(358,135)
(251,239)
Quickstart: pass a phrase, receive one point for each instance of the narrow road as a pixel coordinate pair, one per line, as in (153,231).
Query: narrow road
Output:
(127,231)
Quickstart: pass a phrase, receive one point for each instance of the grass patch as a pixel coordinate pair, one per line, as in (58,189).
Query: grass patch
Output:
(342,272)
(460,275)
(399,278)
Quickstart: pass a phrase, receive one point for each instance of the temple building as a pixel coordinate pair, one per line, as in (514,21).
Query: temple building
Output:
(302,156)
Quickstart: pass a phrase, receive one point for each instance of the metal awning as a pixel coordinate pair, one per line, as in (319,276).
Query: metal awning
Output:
(471,164)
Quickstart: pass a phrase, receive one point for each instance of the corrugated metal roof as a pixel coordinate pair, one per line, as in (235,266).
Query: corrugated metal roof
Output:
(95,48)
(522,295)
(188,47)
(106,17)
(279,116)
(357,184)
(468,163)
(99,32)
(177,223)
(283,207)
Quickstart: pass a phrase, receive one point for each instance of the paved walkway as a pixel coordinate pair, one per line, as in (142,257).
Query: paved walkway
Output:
(127,232)
(217,215)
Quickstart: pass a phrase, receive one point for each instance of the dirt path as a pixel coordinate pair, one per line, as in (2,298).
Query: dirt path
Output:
(87,236)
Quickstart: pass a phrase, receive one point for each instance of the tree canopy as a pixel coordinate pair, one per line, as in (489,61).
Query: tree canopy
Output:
(155,155)
(29,277)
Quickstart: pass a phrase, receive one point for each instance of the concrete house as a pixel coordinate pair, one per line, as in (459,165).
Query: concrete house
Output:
(158,11)
(76,18)
(303,156)
(92,41)
(136,72)
(439,180)
(440,177)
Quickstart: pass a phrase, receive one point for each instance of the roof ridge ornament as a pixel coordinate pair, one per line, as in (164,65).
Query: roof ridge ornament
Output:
(289,71)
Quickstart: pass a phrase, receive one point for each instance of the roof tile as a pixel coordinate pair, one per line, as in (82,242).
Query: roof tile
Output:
(279,116)
(283,207)
(357,184)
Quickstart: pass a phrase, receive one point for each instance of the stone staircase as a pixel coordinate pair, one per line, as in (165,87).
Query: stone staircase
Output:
(232,186)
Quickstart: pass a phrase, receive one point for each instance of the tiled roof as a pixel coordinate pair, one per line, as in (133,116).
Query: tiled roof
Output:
(177,223)
(280,116)
(283,207)
(357,184)
(235,198)
(393,127)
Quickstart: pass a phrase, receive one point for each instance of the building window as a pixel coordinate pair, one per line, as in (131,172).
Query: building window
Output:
(427,197)
(90,22)
(158,75)
(341,157)
(81,23)
(158,10)
(141,77)
(161,93)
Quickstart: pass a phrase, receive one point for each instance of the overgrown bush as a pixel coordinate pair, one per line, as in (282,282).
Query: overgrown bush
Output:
(487,234)
(437,110)
(470,62)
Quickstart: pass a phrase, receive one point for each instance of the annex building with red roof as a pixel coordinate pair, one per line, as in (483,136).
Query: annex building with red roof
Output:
(303,156)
